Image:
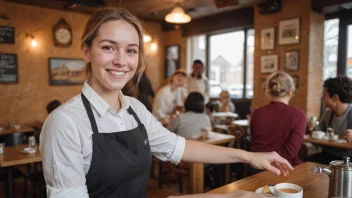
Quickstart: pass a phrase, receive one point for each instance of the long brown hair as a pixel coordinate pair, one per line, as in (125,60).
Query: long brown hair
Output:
(110,14)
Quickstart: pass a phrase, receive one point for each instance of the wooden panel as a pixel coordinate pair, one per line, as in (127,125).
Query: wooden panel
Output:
(232,19)
(313,184)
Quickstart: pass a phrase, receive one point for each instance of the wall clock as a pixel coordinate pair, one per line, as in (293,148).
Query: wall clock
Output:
(62,34)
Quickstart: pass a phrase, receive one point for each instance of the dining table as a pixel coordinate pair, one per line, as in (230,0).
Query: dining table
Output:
(340,143)
(313,184)
(197,169)
(14,156)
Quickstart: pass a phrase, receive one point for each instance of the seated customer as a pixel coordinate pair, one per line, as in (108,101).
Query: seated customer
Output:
(278,126)
(169,97)
(52,105)
(225,103)
(190,123)
(337,96)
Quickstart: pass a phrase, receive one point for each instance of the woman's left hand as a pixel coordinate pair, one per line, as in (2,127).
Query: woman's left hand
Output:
(272,162)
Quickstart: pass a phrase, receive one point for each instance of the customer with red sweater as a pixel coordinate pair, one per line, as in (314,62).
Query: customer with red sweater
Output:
(278,126)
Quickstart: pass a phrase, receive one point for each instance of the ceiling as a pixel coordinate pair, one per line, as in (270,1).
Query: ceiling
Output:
(151,10)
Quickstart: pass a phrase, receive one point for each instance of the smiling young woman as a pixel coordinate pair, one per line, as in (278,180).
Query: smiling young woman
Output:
(100,142)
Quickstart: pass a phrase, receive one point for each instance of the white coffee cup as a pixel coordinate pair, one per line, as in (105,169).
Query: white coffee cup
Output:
(288,190)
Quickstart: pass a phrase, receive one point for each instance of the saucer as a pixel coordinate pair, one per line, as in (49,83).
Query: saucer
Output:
(28,150)
(259,191)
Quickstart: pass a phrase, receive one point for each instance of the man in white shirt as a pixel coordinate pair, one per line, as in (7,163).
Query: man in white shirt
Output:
(197,82)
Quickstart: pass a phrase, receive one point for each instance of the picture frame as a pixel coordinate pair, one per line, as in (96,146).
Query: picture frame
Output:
(269,63)
(289,31)
(263,82)
(292,60)
(295,79)
(172,60)
(267,39)
(66,71)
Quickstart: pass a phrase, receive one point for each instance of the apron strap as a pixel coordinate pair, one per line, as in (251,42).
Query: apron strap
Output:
(131,111)
(90,113)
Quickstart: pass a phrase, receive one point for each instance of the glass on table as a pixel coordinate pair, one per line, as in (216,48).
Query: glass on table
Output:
(330,132)
(2,148)
(31,143)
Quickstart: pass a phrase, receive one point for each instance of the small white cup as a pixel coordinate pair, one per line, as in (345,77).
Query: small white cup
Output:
(297,194)
(318,134)
(335,137)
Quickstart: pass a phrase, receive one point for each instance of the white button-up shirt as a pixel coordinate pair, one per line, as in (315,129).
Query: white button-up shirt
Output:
(198,85)
(66,139)
(166,100)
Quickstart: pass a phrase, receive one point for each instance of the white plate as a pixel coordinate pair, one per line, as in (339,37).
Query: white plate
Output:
(259,190)
(341,141)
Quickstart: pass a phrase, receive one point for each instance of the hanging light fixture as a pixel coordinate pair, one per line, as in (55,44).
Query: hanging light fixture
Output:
(177,15)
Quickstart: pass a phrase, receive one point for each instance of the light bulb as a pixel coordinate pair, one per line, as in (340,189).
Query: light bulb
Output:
(34,43)
(153,46)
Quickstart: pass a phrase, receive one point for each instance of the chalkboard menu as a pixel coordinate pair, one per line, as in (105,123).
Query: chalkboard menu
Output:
(8,68)
(7,35)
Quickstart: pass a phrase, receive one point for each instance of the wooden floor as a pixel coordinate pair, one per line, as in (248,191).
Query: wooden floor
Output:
(152,190)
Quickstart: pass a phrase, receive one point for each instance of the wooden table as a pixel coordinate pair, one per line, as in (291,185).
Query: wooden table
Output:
(23,129)
(313,184)
(12,157)
(197,169)
(346,145)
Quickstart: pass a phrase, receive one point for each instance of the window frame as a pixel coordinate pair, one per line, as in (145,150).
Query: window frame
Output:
(207,56)
(345,19)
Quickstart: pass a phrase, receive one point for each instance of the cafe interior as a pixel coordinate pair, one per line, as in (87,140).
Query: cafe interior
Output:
(239,42)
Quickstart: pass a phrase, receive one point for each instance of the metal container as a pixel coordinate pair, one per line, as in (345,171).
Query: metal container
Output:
(340,173)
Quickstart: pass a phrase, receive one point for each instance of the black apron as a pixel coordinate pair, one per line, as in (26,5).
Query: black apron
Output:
(121,161)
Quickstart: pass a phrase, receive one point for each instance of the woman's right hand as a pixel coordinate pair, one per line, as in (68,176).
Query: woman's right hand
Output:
(348,135)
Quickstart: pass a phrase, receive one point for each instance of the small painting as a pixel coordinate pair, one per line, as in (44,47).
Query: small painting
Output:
(292,60)
(269,63)
(267,39)
(289,31)
(65,71)
(172,60)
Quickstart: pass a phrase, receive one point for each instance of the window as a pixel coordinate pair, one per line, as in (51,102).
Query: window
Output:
(331,37)
(230,61)
(349,51)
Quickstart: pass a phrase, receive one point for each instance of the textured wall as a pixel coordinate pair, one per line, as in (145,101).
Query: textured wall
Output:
(25,102)
(311,56)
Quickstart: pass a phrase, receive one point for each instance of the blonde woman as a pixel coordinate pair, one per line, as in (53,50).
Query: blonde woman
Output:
(225,103)
(170,96)
(279,126)
(100,142)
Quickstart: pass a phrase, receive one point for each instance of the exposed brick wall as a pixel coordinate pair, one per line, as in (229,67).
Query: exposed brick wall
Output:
(25,102)
(311,54)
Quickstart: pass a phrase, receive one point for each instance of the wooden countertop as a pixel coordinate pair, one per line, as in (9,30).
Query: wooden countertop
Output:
(13,156)
(313,184)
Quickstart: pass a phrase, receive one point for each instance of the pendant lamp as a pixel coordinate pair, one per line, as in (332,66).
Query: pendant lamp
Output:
(178,15)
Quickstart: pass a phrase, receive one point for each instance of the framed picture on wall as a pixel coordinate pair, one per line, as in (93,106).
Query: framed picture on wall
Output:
(267,39)
(289,31)
(292,60)
(66,71)
(269,63)
(172,60)
(295,81)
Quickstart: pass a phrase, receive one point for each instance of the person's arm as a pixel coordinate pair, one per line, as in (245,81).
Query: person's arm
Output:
(291,146)
(205,153)
(62,159)
(323,122)
(174,124)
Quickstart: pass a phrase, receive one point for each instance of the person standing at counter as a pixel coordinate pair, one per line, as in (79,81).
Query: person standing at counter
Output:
(100,142)
(337,96)
(197,82)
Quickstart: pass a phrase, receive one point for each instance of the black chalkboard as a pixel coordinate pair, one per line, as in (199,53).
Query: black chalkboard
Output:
(7,35)
(8,68)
